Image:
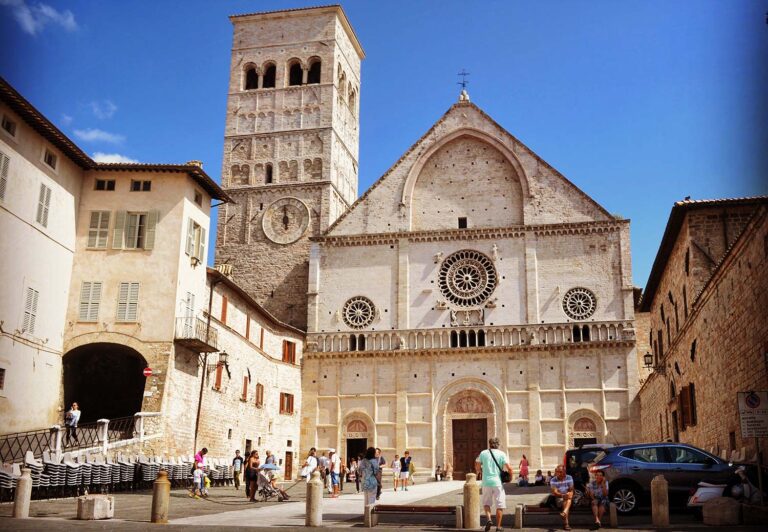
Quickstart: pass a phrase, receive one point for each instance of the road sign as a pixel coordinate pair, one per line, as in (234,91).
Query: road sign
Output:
(147,372)
(753,412)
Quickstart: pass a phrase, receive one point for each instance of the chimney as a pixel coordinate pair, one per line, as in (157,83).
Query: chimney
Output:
(199,164)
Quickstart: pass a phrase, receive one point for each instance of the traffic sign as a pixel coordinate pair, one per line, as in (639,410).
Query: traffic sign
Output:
(753,412)
(147,372)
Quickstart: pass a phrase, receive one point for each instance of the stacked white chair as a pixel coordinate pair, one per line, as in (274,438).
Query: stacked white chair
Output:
(126,470)
(9,475)
(55,470)
(74,475)
(36,471)
(86,466)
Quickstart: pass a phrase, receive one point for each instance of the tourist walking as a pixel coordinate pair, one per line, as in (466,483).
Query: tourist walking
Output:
(310,464)
(405,467)
(323,466)
(524,469)
(335,468)
(198,479)
(353,474)
(371,476)
(597,490)
(237,467)
(381,461)
(562,494)
(252,475)
(489,465)
(71,418)
(395,465)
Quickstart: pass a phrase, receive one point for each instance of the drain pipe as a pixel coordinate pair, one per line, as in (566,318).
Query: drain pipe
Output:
(204,364)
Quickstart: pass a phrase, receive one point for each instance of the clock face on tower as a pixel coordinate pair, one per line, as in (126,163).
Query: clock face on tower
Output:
(286,220)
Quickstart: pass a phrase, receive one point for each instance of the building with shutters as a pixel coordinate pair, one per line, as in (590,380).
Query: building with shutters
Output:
(707,302)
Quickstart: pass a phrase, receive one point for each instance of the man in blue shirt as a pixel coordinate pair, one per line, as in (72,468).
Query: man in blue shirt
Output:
(489,463)
(562,493)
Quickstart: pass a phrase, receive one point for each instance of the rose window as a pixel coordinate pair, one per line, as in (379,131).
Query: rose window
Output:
(467,278)
(358,312)
(579,303)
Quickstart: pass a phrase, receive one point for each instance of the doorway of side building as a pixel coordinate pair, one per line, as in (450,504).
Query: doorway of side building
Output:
(469,438)
(578,442)
(288,474)
(356,446)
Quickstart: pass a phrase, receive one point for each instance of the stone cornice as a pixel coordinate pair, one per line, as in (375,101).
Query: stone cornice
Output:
(518,231)
(468,351)
(307,185)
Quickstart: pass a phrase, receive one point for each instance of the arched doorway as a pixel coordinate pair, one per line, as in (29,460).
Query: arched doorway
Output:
(469,415)
(585,427)
(356,438)
(105,379)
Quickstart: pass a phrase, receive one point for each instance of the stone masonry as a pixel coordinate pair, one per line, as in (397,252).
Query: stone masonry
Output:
(710,279)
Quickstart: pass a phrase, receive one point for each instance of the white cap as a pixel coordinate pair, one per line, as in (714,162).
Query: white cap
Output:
(331,450)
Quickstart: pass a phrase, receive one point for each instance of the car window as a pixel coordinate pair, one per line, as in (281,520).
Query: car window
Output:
(682,455)
(645,454)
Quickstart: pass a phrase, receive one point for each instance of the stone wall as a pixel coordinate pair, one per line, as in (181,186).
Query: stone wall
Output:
(720,348)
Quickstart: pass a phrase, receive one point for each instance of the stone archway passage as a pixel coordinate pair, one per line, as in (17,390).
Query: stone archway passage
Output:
(105,379)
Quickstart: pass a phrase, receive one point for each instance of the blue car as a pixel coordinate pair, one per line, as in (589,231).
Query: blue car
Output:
(629,470)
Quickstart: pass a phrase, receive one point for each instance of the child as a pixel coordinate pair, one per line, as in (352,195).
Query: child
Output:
(199,475)
(206,484)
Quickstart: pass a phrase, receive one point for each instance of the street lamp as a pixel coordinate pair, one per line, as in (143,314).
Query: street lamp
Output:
(648,360)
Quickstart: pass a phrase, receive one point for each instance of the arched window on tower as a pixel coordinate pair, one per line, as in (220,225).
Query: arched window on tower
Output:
(353,102)
(314,70)
(270,72)
(268,173)
(294,74)
(251,78)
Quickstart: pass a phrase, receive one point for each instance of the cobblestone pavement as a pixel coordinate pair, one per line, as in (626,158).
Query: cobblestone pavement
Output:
(227,508)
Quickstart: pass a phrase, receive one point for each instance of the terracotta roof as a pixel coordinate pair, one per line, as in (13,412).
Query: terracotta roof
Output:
(336,7)
(675,222)
(220,277)
(55,136)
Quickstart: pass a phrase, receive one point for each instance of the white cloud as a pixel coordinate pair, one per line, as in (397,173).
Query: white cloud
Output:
(66,119)
(103,109)
(100,157)
(98,135)
(33,18)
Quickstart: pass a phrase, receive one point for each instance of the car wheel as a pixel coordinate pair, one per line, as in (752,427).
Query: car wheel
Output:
(626,499)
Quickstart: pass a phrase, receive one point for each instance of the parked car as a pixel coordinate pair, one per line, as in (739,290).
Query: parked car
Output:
(577,461)
(629,470)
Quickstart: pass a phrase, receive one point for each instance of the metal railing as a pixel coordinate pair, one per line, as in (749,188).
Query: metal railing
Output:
(197,333)
(13,447)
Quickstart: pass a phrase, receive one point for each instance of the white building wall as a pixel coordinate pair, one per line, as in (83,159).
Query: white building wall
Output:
(38,257)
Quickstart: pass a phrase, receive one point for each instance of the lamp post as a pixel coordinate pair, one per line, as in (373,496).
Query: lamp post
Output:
(648,360)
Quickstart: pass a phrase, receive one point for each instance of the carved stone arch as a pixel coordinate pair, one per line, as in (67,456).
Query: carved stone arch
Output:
(586,423)
(355,418)
(413,174)
(449,399)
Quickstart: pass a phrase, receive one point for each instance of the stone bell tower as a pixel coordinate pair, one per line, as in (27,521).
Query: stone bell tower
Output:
(290,148)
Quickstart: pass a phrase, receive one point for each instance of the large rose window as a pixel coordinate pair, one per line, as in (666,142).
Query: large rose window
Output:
(467,278)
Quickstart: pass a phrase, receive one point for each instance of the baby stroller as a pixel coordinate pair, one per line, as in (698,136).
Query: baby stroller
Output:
(265,489)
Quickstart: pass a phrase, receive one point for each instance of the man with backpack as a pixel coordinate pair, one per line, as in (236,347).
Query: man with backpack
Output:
(494,468)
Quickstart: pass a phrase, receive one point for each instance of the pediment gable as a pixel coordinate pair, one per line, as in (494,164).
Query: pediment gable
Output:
(467,167)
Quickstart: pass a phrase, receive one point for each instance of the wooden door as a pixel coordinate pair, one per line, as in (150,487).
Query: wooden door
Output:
(469,438)
(288,466)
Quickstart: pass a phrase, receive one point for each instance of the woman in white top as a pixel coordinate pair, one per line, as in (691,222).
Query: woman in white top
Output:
(396,470)
(71,419)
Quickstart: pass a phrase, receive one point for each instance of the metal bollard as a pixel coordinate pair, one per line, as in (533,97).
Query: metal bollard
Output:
(314,508)
(471,502)
(659,502)
(161,497)
(23,494)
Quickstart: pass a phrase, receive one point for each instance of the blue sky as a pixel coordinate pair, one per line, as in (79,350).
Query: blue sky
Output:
(639,103)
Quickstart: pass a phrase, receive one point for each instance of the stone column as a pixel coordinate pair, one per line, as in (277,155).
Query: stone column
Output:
(103,431)
(23,494)
(55,443)
(314,507)
(471,502)
(659,502)
(161,497)
(304,75)
(138,426)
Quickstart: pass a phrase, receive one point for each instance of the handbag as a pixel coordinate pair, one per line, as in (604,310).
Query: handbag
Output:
(503,473)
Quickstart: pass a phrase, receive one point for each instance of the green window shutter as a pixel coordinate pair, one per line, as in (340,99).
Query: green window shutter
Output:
(152,218)
(118,234)
(201,248)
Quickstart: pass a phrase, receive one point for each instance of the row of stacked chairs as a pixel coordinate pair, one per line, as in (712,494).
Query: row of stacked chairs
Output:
(76,473)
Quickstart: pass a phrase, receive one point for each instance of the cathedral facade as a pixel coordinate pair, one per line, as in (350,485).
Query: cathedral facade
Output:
(472,291)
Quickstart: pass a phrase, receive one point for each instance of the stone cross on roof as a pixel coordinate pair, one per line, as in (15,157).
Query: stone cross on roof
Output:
(464,96)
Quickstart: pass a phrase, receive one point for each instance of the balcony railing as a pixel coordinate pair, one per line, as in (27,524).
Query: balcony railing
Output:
(476,336)
(196,335)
